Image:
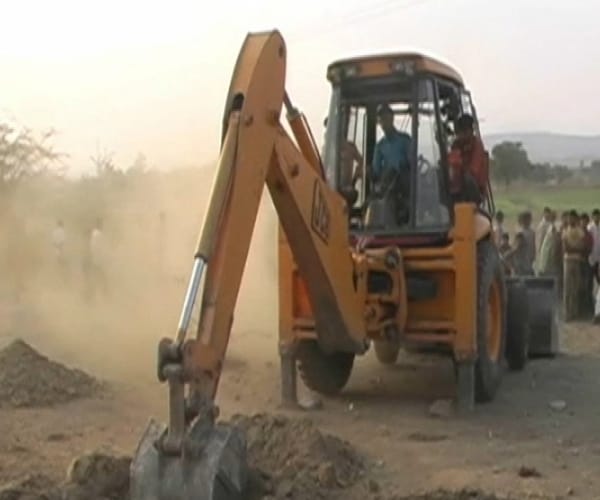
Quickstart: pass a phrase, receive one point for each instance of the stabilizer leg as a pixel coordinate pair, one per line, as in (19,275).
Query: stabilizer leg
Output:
(289,378)
(465,386)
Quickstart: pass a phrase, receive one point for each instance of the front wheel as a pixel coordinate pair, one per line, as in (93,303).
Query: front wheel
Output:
(325,373)
(491,322)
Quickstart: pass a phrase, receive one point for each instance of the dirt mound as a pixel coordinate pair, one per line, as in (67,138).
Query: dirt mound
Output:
(453,495)
(29,488)
(29,379)
(292,459)
(94,476)
(98,476)
(467,494)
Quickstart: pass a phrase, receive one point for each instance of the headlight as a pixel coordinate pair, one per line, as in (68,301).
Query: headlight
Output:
(351,71)
(403,66)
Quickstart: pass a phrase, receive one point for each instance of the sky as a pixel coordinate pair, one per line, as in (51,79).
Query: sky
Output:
(151,77)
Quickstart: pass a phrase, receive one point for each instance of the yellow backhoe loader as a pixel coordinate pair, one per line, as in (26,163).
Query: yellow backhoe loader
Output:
(375,261)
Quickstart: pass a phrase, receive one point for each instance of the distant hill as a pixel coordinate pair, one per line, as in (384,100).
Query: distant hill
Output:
(544,147)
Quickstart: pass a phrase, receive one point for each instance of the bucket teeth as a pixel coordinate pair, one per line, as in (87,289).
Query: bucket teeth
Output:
(211,467)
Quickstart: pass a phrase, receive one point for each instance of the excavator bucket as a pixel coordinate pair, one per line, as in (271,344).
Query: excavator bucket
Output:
(544,304)
(212,465)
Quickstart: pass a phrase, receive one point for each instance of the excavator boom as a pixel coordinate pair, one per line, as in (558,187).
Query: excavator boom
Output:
(194,457)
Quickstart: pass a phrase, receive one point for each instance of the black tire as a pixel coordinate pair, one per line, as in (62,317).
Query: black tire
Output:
(386,351)
(518,332)
(324,373)
(490,273)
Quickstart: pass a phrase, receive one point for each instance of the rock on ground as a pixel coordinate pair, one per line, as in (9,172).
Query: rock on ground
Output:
(29,379)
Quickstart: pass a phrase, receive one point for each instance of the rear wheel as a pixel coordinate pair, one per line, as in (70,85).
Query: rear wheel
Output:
(491,322)
(517,335)
(321,372)
(386,351)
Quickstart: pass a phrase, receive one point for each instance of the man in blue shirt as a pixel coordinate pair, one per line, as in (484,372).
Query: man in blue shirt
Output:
(392,151)
(390,169)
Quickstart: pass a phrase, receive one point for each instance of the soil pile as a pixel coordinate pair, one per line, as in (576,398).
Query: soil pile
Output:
(97,476)
(30,488)
(29,379)
(292,459)
(94,476)
(289,459)
(468,494)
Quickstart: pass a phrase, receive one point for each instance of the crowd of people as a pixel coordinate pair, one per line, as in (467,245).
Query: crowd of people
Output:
(567,249)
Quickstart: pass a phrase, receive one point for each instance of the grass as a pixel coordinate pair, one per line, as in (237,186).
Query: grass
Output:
(517,199)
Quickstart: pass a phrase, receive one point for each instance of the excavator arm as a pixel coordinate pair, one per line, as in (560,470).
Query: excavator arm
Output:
(256,151)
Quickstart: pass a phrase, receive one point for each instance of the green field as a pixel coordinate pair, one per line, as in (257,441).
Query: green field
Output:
(516,199)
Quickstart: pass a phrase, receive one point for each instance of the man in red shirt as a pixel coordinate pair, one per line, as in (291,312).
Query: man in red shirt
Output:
(468,164)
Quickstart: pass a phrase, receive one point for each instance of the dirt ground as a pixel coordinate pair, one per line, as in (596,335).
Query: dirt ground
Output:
(545,422)
(540,438)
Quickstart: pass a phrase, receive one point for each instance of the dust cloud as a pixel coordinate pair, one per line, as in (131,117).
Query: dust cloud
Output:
(150,223)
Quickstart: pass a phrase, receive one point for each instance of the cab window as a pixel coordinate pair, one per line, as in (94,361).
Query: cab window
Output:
(431,210)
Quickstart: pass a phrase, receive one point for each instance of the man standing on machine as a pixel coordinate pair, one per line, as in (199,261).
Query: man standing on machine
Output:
(468,164)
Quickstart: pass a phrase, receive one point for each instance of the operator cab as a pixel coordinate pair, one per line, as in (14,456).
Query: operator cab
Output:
(388,133)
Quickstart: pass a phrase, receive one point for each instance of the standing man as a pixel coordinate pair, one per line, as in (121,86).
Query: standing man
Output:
(499,228)
(594,230)
(587,276)
(573,240)
(548,258)
(543,226)
(391,164)
(58,244)
(564,220)
(516,258)
(58,239)
(563,226)
(468,163)
(98,259)
(529,236)
(392,151)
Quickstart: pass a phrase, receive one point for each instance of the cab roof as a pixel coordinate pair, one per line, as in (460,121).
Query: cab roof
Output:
(386,64)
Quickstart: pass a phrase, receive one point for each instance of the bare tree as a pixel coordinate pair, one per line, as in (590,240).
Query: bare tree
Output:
(23,155)
(103,162)
(139,166)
